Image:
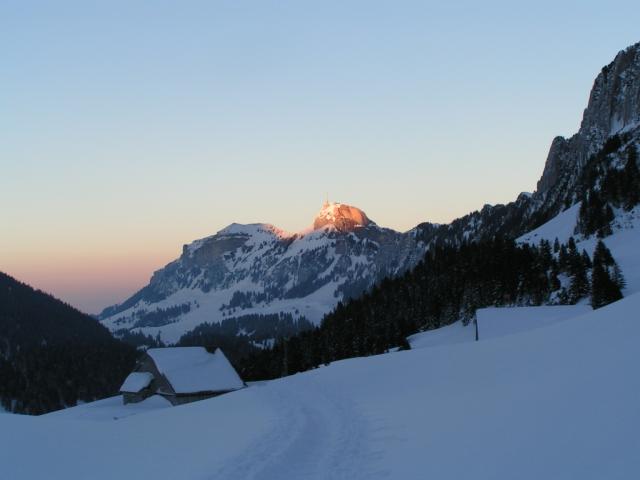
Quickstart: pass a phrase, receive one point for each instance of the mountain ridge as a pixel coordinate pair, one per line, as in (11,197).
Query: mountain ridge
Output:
(344,253)
(259,268)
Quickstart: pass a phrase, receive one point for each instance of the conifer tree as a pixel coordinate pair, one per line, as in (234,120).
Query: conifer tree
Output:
(603,255)
(604,287)
(617,276)
(631,179)
(575,260)
(604,229)
(595,215)
(579,284)
(563,257)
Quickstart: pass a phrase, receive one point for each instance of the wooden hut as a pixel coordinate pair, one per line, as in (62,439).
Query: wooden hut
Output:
(181,375)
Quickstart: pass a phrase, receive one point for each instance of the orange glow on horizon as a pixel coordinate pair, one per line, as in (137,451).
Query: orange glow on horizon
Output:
(89,283)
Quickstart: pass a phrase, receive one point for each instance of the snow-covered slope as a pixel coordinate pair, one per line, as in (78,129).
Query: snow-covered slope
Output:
(555,402)
(452,334)
(110,409)
(497,322)
(562,226)
(623,243)
(260,269)
(500,322)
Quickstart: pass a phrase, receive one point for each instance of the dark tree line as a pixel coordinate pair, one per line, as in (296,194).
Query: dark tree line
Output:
(42,379)
(156,318)
(161,316)
(139,339)
(607,185)
(448,285)
(245,335)
(52,355)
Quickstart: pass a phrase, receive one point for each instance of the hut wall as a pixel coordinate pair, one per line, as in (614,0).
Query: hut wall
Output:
(182,399)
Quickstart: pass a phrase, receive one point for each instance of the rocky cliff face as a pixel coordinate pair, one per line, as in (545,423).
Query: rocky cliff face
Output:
(610,125)
(614,106)
(259,269)
(344,218)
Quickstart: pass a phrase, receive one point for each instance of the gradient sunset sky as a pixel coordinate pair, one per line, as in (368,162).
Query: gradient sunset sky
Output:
(131,128)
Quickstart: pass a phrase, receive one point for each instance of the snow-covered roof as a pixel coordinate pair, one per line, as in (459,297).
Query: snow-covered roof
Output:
(193,369)
(136,381)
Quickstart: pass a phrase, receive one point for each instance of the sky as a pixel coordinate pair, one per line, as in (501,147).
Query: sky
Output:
(128,129)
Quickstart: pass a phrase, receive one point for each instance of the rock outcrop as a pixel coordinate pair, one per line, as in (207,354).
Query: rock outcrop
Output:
(343,217)
(610,124)
(614,106)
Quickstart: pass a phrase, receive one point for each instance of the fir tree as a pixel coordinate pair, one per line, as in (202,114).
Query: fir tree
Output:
(579,285)
(607,216)
(602,255)
(617,277)
(604,288)
(595,215)
(631,178)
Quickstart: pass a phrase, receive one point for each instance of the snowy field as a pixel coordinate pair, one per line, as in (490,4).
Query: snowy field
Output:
(110,409)
(449,335)
(497,322)
(562,401)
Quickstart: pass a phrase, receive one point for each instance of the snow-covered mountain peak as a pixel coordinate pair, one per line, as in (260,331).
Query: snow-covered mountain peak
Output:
(254,229)
(258,269)
(257,231)
(341,216)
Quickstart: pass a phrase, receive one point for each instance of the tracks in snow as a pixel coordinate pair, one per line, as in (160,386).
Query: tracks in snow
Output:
(318,434)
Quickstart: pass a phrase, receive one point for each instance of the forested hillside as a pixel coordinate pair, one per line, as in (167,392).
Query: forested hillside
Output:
(450,284)
(52,355)
(245,335)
